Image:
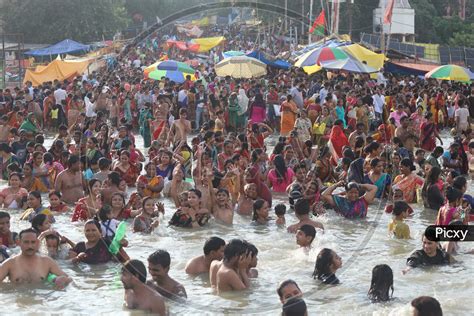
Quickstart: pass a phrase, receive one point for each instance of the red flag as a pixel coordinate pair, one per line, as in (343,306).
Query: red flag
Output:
(387,18)
(319,25)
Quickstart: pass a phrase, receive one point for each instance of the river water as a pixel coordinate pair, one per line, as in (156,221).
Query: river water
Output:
(362,244)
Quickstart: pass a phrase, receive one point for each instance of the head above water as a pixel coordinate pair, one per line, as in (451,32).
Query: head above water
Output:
(381,284)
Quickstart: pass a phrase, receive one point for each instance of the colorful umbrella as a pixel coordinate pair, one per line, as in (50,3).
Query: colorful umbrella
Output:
(451,72)
(171,69)
(321,54)
(241,67)
(348,64)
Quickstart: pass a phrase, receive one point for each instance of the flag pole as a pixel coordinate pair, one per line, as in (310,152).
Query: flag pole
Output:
(310,19)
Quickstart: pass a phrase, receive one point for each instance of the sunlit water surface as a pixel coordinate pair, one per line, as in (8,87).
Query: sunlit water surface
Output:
(362,244)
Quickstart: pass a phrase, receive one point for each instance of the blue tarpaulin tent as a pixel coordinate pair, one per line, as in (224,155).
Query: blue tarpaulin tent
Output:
(278,63)
(64,47)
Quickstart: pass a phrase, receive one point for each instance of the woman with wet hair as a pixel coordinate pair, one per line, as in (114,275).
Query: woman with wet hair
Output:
(381,284)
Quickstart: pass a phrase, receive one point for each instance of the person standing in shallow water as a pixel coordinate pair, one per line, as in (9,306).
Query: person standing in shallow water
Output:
(29,266)
(137,294)
(159,267)
(70,181)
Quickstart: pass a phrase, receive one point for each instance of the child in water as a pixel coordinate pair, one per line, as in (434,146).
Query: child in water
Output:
(381,284)
(327,263)
(397,196)
(305,236)
(108,224)
(397,227)
(145,221)
(280,211)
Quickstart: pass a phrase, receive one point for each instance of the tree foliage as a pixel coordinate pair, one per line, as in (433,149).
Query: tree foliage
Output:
(49,21)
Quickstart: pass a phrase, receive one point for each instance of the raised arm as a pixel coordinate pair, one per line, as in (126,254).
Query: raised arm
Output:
(371,191)
(327,194)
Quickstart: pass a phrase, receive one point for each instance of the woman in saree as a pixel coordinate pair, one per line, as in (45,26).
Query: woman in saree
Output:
(234,109)
(258,109)
(29,124)
(144,123)
(243,101)
(429,133)
(127,170)
(352,205)
(321,127)
(289,109)
(340,112)
(324,170)
(408,181)
(337,140)
(377,177)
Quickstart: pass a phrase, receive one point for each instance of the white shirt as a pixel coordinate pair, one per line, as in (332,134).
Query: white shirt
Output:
(379,101)
(463,114)
(60,95)
(90,108)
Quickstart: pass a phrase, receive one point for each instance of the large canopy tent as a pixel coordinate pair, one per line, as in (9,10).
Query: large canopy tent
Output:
(57,69)
(67,46)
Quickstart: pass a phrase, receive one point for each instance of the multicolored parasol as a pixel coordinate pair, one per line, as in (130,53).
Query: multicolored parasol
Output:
(321,54)
(171,69)
(451,72)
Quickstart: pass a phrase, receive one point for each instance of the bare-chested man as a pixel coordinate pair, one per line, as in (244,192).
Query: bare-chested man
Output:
(137,294)
(245,204)
(231,273)
(158,267)
(29,266)
(213,250)
(180,128)
(70,181)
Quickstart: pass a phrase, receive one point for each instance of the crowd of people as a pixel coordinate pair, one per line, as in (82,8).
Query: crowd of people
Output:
(343,140)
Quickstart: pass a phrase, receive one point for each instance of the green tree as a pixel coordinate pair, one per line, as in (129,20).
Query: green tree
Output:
(49,21)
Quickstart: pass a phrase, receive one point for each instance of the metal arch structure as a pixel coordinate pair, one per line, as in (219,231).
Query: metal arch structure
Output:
(219,5)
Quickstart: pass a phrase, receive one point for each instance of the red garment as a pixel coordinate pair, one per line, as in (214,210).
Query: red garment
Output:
(338,140)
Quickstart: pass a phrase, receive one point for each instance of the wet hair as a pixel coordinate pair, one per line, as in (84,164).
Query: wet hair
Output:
(37,221)
(213,244)
(284,284)
(161,257)
(280,209)
(399,207)
(103,213)
(234,248)
(95,223)
(4,215)
(36,194)
(251,248)
(257,205)
(323,263)
(453,194)
(432,177)
(280,168)
(427,306)
(308,230)
(352,185)
(381,284)
(302,207)
(295,306)
(136,268)
(27,231)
